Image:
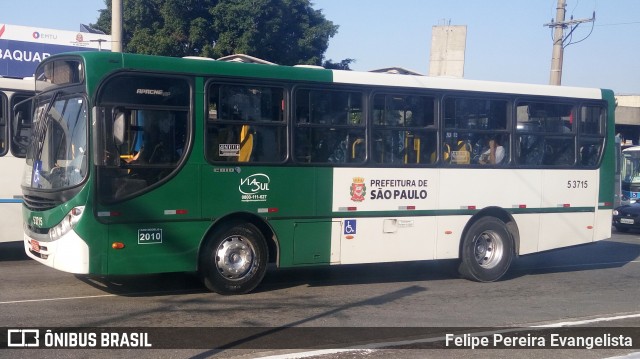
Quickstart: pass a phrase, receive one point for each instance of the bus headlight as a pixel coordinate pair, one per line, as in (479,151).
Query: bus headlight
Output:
(68,223)
(615,212)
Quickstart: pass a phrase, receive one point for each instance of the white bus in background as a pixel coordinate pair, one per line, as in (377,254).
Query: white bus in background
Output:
(14,137)
(630,175)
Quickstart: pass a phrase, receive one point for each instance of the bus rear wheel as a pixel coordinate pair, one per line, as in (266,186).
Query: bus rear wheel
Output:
(487,250)
(234,260)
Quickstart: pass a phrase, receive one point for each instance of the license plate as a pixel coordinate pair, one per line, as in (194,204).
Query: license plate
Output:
(626,220)
(35,246)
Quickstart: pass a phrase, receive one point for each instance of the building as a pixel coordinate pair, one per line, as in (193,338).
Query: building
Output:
(22,48)
(628,118)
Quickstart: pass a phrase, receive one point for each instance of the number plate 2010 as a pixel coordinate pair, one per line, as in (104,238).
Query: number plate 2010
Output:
(149,236)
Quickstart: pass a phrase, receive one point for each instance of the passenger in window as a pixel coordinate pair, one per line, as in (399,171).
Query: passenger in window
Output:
(159,146)
(495,154)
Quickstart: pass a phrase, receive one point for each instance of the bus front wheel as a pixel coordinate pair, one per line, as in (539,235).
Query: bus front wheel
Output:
(234,260)
(487,250)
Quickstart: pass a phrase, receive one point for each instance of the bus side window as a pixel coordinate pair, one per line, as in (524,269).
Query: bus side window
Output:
(245,124)
(329,127)
(403,129)
(547,135)
(591,134)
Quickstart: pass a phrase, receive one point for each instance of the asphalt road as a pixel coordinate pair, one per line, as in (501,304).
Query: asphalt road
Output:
(368,307)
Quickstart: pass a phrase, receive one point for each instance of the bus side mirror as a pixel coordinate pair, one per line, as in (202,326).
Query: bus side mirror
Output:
(119,128)
(18,120)
(21,127)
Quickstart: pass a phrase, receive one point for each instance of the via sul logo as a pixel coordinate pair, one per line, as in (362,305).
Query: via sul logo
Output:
(254,188)
(2,30)
(358,189)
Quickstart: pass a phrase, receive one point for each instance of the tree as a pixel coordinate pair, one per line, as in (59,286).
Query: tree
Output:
(342,65)
(286,32)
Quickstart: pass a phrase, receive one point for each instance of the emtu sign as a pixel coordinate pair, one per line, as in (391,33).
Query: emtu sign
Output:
(22,47)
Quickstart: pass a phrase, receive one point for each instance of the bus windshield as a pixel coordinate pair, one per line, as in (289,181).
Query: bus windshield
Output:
(630,174)
(57,157)
(631,167)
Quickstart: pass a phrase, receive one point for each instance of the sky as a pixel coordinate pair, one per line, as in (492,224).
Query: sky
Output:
(506,39)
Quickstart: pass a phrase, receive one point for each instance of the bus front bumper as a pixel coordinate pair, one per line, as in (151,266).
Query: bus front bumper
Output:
(68,253)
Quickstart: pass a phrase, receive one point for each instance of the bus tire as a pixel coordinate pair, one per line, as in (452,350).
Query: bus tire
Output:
(234,260)
(487,250)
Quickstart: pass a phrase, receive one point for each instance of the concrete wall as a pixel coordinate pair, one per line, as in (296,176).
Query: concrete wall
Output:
(448,44)
(628,110)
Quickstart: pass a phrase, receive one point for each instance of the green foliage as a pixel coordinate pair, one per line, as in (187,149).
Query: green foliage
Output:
(286,32)
(342,65)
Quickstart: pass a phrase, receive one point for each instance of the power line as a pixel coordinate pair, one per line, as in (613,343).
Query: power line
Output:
(559,39)
(620,23)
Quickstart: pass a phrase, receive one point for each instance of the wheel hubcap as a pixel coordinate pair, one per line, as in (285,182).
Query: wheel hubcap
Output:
(235,258)
(489,249)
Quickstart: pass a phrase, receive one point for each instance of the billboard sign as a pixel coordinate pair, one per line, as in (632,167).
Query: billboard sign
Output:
(23,47)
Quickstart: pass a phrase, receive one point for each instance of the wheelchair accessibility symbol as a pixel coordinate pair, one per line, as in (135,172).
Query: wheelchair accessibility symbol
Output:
(349,226)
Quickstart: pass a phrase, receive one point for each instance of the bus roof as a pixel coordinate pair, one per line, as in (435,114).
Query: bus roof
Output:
(12,84)
(196,66)
(446,83)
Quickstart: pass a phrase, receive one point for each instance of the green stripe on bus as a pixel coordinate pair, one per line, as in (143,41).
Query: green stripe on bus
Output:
(460,212)
(607,170)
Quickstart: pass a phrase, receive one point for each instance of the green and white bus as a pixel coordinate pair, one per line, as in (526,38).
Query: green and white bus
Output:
(142,164)
(14,138)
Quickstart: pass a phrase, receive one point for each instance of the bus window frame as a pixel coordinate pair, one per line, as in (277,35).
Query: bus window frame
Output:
(17,127)
(544,133)
(207,122)
(601,137)
(107,110)
(364,125)
(506,134)
(431,130)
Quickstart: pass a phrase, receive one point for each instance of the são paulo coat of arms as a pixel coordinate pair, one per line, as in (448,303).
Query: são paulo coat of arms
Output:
(358,189)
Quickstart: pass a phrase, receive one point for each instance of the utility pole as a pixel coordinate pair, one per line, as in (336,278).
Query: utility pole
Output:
(558,39)
(558,48)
